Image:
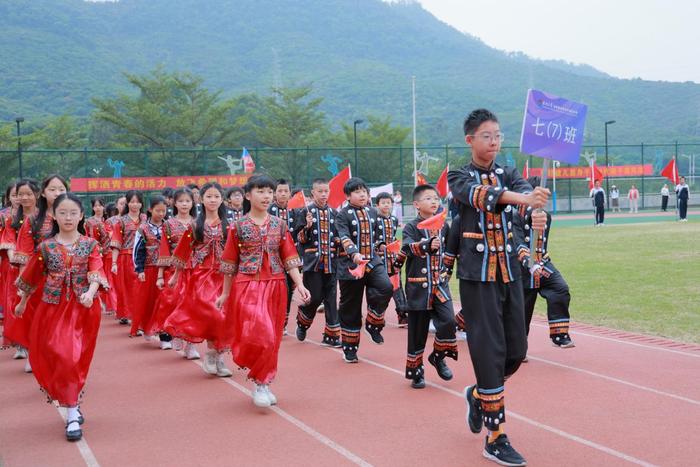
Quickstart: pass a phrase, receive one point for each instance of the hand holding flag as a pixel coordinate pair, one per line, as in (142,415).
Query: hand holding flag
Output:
(359,271)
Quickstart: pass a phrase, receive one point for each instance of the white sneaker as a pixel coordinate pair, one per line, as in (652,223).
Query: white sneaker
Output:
(140,333)
(431,327)
(27,367)
(166,345)
(178,344)
(221,369)
(20,353)
(260,397)
(270,395)
(190,352)
(209,363)
(461,335)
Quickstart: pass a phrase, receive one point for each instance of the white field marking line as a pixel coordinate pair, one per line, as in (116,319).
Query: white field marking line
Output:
(83,447)
(573,331)
(556,431)
(355,459)
(616,380)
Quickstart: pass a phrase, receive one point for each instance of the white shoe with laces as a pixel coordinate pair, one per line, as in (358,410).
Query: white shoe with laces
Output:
(270,395)
(20,353)
(260,396)
(221,369)
(166,345)
(209,363)
(190,352)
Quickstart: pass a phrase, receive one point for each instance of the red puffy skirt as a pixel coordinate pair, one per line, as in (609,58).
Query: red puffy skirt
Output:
(9,298)
(125,283)
(146,296)
(168,300)
(196,318)
(253,327)
(63,341)
(109,298)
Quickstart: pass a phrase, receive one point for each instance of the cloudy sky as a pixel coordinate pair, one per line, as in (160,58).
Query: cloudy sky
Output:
(649,39)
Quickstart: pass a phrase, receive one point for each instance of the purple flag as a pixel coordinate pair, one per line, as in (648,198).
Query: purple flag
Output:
(552,127)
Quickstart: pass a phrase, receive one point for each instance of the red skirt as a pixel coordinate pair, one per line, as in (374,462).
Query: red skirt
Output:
(125,283)
(168,300)
(63,341)
(9,300)
(195,318)
(254,323)
(4,278)
(146,296)
(109,298)
(16,330)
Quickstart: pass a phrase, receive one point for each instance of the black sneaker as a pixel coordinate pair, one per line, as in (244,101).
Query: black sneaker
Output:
(123,321)
(562,341)
(350,356)
(375,334)
(418,382)
(443,370)
(301,333)
(330,341)
(475,419)
(501,452)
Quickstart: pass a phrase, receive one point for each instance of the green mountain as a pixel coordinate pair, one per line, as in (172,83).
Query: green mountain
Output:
(55,55)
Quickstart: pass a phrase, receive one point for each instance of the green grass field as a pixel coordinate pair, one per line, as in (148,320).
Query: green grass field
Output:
(641,277)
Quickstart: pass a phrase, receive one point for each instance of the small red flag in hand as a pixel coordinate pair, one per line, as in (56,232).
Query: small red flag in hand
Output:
(359,271)
(441,186)
(297,201)
(434,223)
(394,247)
(395,281)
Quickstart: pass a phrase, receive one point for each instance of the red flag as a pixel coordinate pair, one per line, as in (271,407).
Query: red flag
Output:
(297,201)
(441,185)
(394,247)
(526,170)
(248,163)
(594,176)
(420,179)
(337,195)
(434,223)
(671,171)
(359,271)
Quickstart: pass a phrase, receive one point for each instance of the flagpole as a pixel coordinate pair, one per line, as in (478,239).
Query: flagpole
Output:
(595,208)
(415,164)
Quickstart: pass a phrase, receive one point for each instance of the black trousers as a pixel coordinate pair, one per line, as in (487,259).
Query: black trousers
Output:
(599,214)
(683,208)
(379,290)
(290,292)
(445,343)
(322,288)
(494,316)
(664,203)
(555,291)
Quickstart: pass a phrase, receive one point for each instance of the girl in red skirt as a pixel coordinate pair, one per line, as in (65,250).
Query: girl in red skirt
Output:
(37,229)
(258,250)
(65,274)
(173,229)
(123,234)
(146,247)
(8,211)
(27,196)
(95,227)
(112,214)
(196,318)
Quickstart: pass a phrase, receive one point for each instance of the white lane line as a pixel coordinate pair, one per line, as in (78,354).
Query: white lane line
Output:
(615,380)
(564,434)
(349,455)
(574,332)
(82,445)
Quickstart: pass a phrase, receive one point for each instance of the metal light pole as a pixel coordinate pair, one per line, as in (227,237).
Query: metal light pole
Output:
(607,182)
(354,134)
(19,120)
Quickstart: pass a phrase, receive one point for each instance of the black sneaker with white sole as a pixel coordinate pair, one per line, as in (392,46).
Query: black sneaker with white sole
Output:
(375,333)
(501,452)
(350,356)
(475,418)
(562,341)
(301,333)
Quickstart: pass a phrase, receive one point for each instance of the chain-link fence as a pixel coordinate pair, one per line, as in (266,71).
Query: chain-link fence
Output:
(377,165)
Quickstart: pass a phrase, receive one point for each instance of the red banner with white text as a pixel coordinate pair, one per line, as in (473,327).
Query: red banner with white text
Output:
(87,185)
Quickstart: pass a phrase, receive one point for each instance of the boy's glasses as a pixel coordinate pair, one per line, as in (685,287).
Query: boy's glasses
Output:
(488,137)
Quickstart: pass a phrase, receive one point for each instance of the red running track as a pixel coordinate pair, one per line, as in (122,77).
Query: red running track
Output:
(615,399)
